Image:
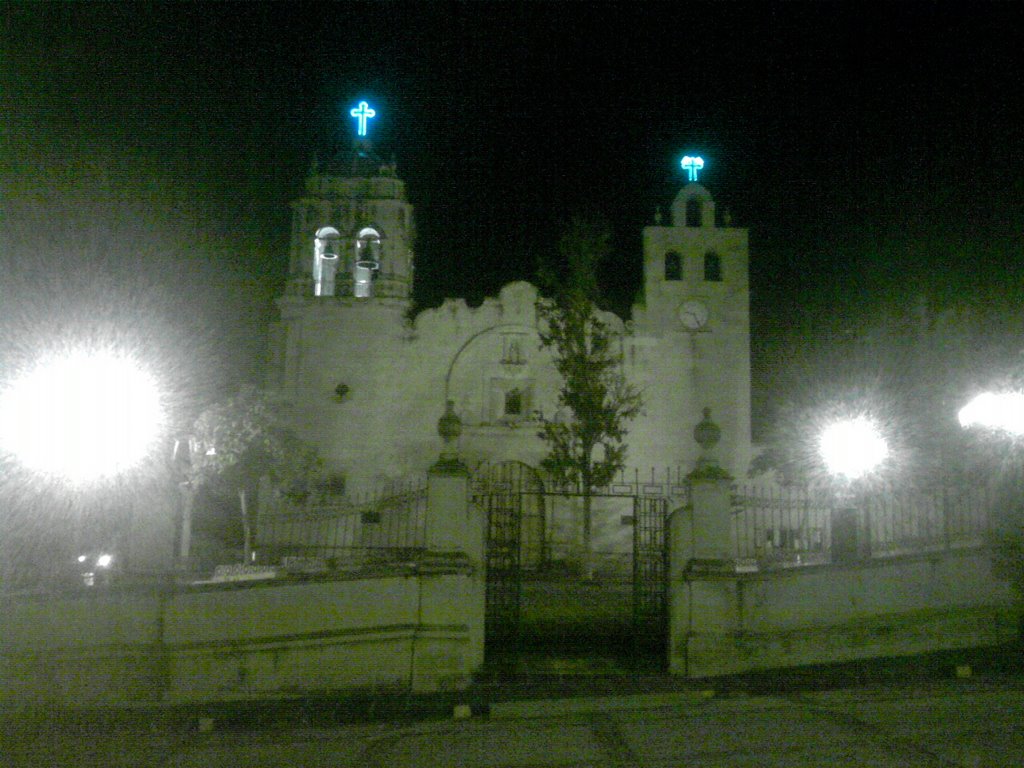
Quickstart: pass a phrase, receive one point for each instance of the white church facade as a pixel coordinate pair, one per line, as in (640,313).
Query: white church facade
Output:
(366,383)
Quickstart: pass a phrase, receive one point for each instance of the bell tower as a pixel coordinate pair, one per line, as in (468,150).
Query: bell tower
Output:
(693,325)
(342,325)
(361,198)
(698,259)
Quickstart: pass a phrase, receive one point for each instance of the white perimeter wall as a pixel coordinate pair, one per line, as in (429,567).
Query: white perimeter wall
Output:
(408,631)
(722,624)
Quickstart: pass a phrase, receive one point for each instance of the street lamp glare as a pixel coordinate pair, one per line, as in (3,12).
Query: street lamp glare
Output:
(853,447)
(995,410)
(82,417)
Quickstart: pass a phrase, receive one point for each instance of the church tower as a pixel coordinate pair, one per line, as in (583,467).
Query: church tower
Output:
(336,354)
(362,200)
(692,331)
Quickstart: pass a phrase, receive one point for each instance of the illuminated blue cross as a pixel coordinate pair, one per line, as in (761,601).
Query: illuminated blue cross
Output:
(692,165)
(362,113)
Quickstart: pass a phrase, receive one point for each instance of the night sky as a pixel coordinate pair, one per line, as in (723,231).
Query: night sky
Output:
(873,151)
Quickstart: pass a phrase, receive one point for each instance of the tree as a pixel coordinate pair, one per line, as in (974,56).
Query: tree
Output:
(238,442)
(588,448)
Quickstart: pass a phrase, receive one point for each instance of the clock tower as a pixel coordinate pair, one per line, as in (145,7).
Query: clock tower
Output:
(692,329)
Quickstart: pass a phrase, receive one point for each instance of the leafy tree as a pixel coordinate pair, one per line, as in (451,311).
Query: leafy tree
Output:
(239,441)
(588,448)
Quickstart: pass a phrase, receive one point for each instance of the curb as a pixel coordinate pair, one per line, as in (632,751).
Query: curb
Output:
(575,706)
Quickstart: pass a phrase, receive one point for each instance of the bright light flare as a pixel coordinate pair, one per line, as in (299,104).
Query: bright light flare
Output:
(83,417)
(995,410)
(853,447)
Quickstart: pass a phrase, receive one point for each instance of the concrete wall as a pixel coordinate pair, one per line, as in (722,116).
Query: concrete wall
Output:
(414,630)
(415,626)
(97,647)
(723,623)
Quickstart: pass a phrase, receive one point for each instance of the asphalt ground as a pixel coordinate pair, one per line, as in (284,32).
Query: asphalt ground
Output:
(952,709)
(972,722)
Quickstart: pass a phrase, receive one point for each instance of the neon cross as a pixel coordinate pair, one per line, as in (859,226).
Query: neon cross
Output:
(691,165)
(362,113)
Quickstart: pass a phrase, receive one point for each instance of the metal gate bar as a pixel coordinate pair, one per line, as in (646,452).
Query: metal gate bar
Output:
(650,572)
(499,492)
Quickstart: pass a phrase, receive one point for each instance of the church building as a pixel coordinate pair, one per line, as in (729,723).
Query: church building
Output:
(366,383)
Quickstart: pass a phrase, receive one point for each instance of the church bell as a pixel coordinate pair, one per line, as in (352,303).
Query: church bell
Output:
(367,263)
(325,261)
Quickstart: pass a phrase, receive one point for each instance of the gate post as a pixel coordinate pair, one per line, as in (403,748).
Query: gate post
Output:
(451,574)
(451,522)
(704,605)
(677,536)
(447,526)
(711,519)
(710,489)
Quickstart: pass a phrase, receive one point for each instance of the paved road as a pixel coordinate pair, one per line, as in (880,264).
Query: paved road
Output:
(974,723)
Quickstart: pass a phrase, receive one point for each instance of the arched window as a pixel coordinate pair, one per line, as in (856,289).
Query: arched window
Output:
(367,265)
(694,211)
(368,246)
(712,267)
(513,403)
(673,266)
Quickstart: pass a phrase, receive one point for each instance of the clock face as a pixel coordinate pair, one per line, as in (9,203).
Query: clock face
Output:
(693,315)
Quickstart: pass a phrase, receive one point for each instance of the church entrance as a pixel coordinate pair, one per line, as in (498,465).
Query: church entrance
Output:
(540,606)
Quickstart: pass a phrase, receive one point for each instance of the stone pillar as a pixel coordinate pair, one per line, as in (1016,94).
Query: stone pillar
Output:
(711,520)
(448,512)
(448,525)
(851,534)
(451,574)
(703,586)
(710,503)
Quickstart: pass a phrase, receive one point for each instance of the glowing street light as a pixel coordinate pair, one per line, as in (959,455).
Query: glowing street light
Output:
(995,410)
(852,448)
(81,417)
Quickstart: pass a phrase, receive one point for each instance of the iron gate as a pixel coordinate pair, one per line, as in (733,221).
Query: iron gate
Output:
(514,500)
(502,502)
(650,572)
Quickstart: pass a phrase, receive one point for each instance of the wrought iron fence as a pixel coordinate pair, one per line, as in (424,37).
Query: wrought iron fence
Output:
(781,524)
(549,515)
(903,520)
(666,482)
(331,533)
(794,526)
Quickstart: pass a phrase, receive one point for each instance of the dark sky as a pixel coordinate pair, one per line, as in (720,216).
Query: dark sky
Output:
(867,147)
